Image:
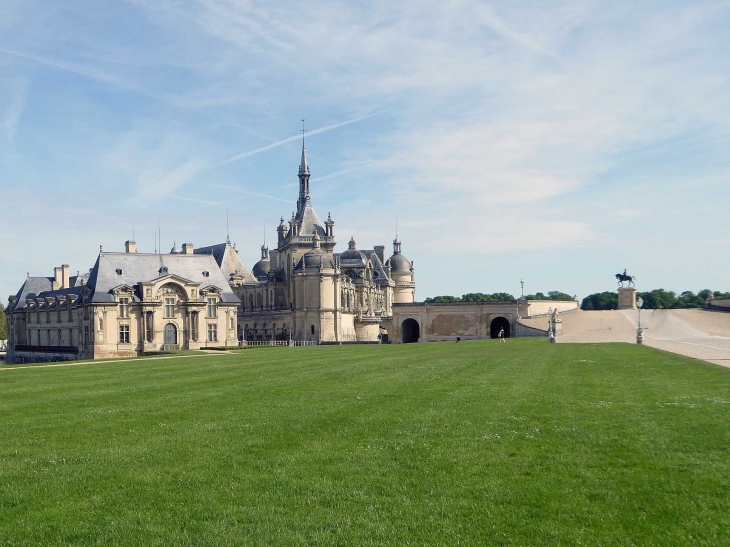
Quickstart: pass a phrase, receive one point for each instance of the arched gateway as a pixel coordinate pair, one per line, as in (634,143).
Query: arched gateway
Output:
(497,324)
(410,331)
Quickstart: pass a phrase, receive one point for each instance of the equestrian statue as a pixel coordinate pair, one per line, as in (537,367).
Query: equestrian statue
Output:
(623,277)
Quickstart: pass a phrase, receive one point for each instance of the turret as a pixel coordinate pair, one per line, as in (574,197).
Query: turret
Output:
(282,230)
(402,273)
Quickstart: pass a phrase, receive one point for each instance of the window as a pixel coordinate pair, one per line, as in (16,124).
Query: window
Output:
(149,332)
(212,332)
(124,334)
(194,325)
(86,335)
(212,307)
(169,307)
(124,307)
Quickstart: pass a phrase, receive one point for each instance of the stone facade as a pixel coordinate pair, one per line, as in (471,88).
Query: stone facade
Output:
(438,322)
(305,291)
(131,303)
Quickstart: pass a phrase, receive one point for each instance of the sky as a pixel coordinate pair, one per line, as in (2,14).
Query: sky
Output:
(558,142)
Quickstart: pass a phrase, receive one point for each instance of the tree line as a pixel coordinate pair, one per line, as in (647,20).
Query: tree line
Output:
(497,297)
(653,300)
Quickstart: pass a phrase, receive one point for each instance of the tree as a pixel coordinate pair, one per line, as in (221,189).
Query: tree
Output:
(552,295)
(438,299)
(557,295)
(600,301)
(481,297)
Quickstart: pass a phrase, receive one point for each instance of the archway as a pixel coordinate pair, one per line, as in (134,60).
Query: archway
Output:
(497,324)
(410,330)
(170,334)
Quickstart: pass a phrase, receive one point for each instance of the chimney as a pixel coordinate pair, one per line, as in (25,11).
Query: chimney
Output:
(187,248)
(130,246)
(56,279)
(65,277)
(380,251)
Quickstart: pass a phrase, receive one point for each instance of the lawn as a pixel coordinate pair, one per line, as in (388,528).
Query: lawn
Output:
(476,443)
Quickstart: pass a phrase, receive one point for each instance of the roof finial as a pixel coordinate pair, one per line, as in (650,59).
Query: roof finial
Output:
(303,166)
(228,231)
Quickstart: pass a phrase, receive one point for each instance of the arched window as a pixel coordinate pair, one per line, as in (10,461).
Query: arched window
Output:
(250,302)
(312,330)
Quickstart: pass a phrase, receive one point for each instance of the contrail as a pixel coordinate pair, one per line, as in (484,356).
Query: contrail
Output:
(256,194)
(194,200)
(338,173)
(287,140)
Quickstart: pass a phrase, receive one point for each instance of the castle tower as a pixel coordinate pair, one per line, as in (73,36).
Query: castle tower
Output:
(402,273)
(316,295)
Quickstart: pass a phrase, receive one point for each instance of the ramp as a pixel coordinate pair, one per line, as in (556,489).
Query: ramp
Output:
(700,334)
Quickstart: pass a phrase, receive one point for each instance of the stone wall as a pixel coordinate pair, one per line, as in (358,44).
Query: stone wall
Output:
(449,321)
(723,303)
(543,307)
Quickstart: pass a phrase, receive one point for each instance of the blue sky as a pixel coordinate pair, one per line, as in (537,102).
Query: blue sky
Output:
(559,142)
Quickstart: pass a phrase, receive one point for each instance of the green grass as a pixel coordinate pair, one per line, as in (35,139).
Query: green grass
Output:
(477,443)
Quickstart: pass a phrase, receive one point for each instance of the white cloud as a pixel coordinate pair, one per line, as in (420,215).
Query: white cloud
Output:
(17,95)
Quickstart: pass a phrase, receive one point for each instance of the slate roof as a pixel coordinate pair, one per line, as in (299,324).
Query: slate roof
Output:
(42,287)
(399,264)
(137,267)
(228,261)
(309,221)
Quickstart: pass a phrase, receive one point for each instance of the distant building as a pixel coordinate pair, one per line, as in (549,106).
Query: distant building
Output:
(131,303)
(303,290)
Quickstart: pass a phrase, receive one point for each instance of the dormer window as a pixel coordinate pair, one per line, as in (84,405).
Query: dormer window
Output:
(163,270)
(119,271)
(206,274)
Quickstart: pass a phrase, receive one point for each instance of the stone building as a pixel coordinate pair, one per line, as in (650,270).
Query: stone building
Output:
(305,291)
(128,304)
(131,303)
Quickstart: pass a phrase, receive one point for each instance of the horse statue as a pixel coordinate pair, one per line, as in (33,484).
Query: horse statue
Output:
(623,277)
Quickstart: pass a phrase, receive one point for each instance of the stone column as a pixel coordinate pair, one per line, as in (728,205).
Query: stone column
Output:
(627,298)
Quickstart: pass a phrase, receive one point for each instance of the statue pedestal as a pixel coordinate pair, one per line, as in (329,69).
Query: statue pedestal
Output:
(627,298)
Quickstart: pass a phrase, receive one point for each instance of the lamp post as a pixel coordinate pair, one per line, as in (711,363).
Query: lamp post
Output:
(522,284)
(639,332)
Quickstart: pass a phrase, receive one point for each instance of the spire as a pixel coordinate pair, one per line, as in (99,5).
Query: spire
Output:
(303,166)
(304,198)
(396,246)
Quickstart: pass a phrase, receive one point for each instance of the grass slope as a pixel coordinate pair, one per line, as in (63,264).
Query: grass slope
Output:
(524,443)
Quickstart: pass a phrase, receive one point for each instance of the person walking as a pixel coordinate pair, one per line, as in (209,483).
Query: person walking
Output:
(501,335)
